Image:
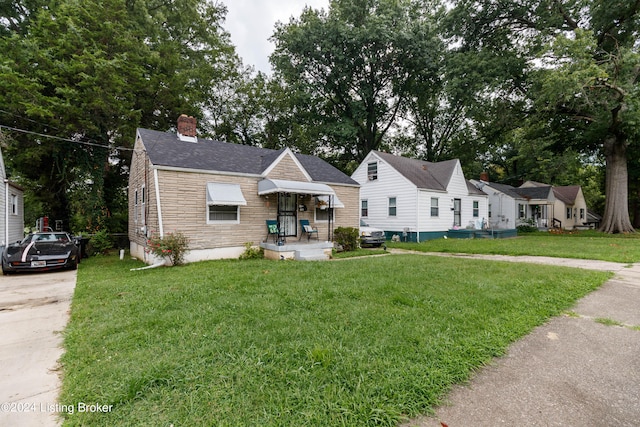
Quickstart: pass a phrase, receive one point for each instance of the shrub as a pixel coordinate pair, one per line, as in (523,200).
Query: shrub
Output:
(347,237)
(100,242)
(252,252)
(173,246)
(527,226)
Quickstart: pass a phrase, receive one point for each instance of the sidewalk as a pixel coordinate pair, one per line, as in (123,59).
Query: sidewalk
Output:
(572,371)
(34,309)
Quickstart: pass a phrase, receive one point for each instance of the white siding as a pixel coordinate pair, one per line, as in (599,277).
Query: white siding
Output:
(390,183)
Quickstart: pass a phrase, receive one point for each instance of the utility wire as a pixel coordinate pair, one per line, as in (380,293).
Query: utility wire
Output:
(64,139)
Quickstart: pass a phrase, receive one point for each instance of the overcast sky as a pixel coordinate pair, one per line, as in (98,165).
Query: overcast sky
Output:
(251,23)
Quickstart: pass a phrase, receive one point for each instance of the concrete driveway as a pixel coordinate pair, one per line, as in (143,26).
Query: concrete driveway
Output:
(34,309)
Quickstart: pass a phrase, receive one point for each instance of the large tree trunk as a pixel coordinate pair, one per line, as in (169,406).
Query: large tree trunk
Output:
(616,210)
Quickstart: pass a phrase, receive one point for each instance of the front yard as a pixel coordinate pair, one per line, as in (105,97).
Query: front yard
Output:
(366,341)
(582,245)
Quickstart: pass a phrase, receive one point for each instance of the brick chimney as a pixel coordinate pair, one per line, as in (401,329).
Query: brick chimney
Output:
(484,176)
(187,128)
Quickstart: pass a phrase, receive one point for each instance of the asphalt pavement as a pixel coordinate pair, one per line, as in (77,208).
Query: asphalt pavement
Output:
(34,310)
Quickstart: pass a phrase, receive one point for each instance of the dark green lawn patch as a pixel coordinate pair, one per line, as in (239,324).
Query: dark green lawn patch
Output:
(363,342)
(581,245)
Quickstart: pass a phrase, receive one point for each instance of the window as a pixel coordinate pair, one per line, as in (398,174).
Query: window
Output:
(372,171)
(581,213)
(14,204)
(568,213)
(223,202)
(435,209)
(135,206)
(489,210)
(476,209)
(392,206)
(364,208)
(521,211)
(323,215)
(143,210)
(223,213)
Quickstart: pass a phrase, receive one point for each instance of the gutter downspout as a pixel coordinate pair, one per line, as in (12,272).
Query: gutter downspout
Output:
(158,205)
(417,215)
(6,211)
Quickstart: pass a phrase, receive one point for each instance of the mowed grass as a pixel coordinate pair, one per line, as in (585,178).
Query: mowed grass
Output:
(360,342)
(582,245)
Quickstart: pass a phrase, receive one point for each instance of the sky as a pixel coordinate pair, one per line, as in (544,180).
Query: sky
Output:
(252,22)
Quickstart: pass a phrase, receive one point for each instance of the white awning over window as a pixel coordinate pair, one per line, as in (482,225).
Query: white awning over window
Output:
(225,194)
(335,202)
(268,186)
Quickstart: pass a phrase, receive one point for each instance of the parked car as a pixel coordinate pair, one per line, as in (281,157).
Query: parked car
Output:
(40,252)
(370,236)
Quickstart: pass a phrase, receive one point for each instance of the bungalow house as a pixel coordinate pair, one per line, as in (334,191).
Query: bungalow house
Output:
(11,208)
(221,195)
(545,205)
(418,200)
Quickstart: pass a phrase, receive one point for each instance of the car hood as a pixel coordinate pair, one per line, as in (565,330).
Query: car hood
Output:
(39,248)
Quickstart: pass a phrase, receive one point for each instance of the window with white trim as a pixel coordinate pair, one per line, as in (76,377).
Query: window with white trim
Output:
(14,204)
(393,210)
(476,209)
(223,213)
(143,192)
(135,206)
(435,206)
(372,171)
(364,208)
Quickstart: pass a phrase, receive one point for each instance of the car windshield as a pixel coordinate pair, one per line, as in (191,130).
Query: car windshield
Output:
(363,224)
(46,237)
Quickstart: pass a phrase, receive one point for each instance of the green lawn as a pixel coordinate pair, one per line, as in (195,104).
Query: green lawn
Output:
(585,245)
(359,342)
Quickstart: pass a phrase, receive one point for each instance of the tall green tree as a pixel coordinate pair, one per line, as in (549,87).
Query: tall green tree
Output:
(355,63)
(582,70)
(89,72)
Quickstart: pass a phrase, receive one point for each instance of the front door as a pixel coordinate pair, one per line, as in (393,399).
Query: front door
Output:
(288,214)
(457,212)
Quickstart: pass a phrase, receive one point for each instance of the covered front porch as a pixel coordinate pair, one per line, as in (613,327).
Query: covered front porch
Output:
(299,205)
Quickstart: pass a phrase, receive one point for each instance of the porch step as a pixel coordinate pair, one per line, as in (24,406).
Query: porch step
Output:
(311,254)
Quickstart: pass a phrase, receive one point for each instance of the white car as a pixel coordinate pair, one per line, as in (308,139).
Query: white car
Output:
(371,236)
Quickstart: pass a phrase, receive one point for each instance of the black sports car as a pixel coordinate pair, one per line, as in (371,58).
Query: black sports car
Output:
(41,251)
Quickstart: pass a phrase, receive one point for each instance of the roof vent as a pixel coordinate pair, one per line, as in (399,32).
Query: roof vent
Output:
(187,128)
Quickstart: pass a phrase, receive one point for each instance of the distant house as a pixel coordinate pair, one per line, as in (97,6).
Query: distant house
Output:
(220,195)
(11,208)
(546,206)
(418,200)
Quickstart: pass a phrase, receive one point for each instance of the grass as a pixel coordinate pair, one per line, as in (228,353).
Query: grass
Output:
(359,253)
(582,245)
(367,341)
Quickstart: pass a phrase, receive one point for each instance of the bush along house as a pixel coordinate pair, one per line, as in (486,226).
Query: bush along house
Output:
(222,196)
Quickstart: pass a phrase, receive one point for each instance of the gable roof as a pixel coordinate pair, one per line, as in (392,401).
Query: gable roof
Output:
(166,149)
(537,193)
(423,174)
(506,189)
(567,194)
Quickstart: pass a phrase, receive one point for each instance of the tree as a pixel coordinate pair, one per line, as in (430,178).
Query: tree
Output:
(582,70)
(89,72)
(354,63)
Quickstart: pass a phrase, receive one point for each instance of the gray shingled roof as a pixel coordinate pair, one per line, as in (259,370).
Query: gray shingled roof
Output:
(567,193)
(166,149)
(427,175)
(506,189)
(536,193)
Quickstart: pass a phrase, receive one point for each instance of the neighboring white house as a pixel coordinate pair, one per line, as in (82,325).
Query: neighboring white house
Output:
(544,205)
(507,208)
(11,209)
(418,200)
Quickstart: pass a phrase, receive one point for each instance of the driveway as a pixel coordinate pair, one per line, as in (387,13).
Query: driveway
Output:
(34,309)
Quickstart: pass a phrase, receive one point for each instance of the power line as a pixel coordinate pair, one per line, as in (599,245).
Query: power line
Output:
(64,139)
